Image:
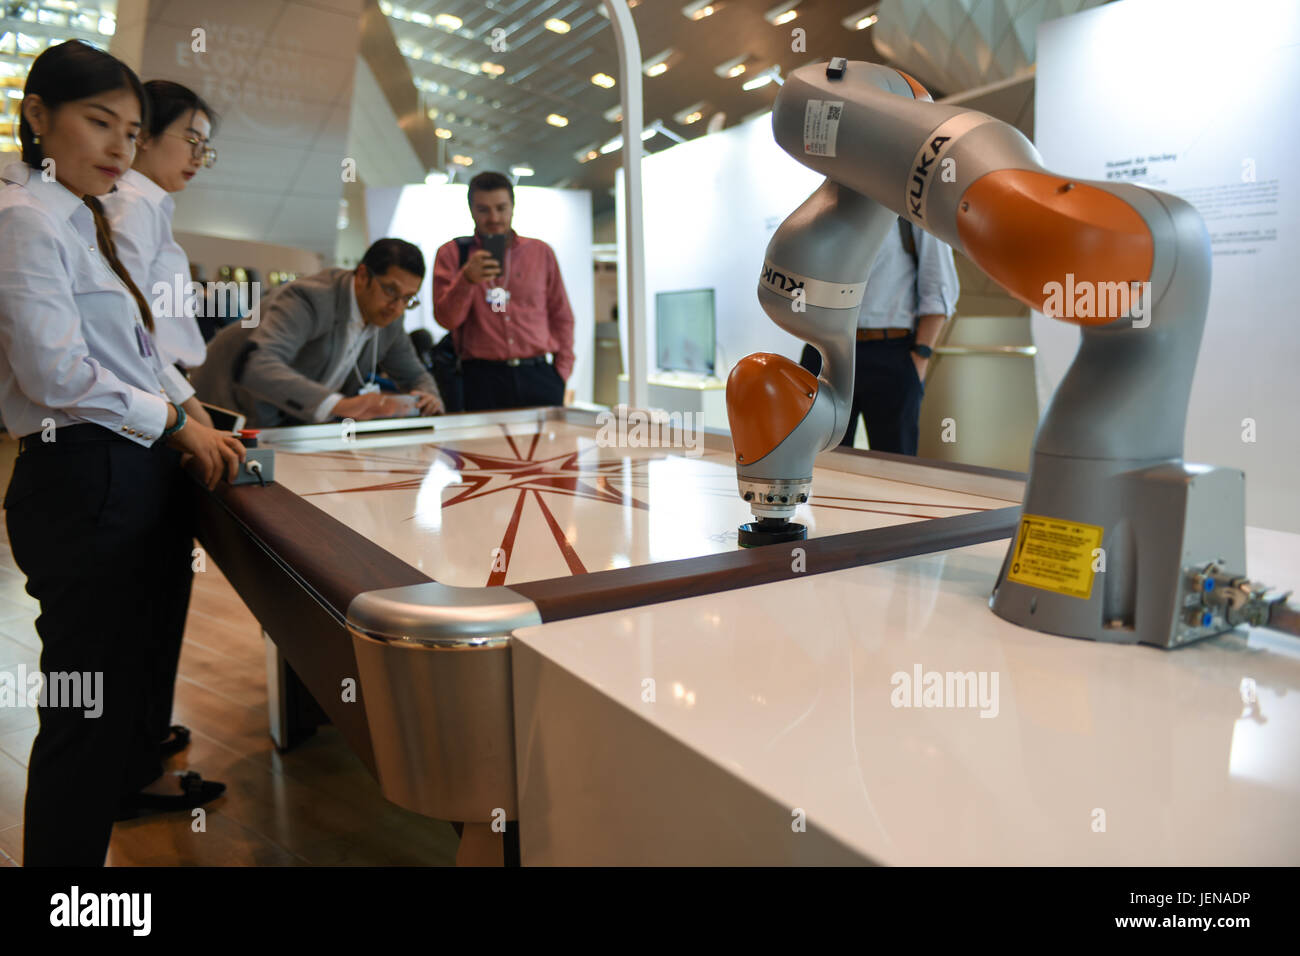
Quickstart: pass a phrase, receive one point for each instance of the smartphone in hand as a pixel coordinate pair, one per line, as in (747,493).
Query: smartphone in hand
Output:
(496,246)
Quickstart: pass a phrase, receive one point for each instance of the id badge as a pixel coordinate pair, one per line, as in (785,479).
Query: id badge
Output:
(498,298)
(370,388)
(144,341)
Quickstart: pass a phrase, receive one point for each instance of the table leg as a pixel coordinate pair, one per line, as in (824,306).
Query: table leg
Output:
(294,713)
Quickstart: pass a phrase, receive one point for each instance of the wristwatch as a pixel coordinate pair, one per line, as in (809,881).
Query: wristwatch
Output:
(922,350)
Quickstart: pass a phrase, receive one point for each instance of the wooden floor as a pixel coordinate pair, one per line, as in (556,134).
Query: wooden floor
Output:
(316,805)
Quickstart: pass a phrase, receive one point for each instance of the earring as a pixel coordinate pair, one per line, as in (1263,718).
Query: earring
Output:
(36,140)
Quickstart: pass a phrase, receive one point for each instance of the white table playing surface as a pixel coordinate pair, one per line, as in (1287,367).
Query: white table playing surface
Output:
(507,503)
(776,705)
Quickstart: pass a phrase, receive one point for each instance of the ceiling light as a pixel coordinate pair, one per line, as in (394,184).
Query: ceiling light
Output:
(782,13)
(733,67)
(701,9)
(460,160)
(519,171)
(764,78)
(555,119)
(586,154)
(493,69)
(442,133)
(437,177)
(448,22)
(613,144)
(691,114)
(556,25)
(658,65)
(614,114)
(862,19)
(603,80)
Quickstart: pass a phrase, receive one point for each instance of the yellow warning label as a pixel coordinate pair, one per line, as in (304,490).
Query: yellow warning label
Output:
(1056,555)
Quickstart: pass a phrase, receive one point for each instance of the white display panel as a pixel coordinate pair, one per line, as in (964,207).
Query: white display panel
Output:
(1199,99)
(711,205)
(432,215)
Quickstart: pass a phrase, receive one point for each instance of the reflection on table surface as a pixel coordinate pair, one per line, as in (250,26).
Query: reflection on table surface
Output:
(507,503)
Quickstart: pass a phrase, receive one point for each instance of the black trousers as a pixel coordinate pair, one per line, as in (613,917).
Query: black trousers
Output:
(489,385)
(887,393)
(102,529)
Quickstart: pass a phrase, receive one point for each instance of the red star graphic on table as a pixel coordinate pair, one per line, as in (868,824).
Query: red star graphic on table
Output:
(563,473)
(482,474)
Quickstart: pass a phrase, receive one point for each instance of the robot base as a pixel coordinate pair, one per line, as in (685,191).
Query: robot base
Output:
(1112,552)
(755,534)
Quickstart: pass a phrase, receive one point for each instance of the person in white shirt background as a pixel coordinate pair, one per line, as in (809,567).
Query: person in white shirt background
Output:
(170,153)
(96,506)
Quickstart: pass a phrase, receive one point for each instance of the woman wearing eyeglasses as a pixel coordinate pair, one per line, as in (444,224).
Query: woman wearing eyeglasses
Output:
(97,494)
(171,149)
(169,154)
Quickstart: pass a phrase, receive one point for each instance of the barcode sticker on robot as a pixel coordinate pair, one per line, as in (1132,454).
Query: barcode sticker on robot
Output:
(821,124)
(1055,555)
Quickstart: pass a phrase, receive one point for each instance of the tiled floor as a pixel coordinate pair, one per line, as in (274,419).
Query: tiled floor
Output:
(316,805)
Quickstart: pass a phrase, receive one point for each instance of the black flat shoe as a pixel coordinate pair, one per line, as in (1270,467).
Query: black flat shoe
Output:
(178,741)
(195,791)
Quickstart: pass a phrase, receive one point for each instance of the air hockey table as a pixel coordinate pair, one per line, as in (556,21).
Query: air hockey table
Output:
(882,714)
(392,565)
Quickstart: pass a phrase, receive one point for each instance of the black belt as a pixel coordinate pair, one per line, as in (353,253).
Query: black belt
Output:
(882,335)
(69,435)
(511,363)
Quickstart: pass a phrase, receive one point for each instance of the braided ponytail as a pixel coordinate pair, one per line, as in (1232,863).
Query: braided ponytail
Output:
(104,236)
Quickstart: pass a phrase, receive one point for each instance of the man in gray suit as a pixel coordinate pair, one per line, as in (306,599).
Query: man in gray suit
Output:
(320,344)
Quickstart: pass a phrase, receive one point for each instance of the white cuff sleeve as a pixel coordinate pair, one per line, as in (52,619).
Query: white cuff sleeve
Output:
(174,385)
(325,410)
(146,417)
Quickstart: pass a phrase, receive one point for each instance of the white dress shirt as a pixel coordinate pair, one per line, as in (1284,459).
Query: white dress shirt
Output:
(899,290)
(359,335)
(140,212)
(69,347)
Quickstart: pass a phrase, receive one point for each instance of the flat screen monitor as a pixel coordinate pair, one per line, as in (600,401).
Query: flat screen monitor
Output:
(685,327)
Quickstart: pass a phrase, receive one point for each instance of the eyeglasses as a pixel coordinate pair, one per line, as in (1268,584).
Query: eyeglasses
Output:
(395,293)
(199,149)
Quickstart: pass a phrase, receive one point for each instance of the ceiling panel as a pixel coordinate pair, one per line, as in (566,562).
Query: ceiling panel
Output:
(501,120)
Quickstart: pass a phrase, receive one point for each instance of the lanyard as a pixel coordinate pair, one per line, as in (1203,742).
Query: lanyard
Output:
(374,362)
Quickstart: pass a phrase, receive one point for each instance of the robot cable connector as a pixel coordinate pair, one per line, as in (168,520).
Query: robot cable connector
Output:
(1242,601)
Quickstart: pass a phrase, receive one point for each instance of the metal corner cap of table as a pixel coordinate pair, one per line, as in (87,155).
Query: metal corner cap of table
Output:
(441,615)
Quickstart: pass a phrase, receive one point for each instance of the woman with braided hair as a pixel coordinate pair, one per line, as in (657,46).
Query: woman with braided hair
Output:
(97,493)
